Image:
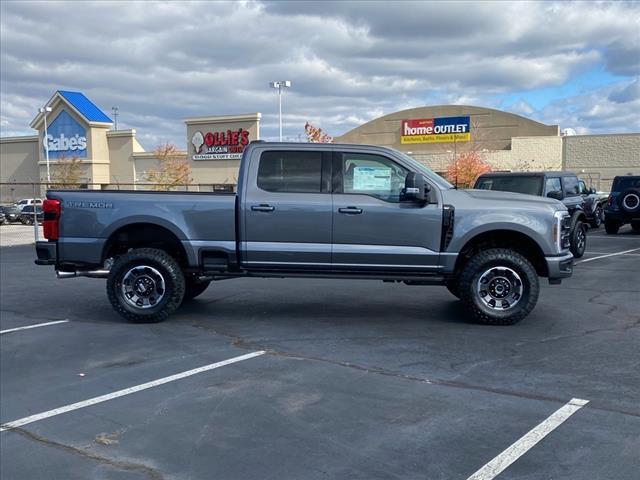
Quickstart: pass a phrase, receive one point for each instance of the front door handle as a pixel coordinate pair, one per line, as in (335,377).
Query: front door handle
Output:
(263,208)
(350,210)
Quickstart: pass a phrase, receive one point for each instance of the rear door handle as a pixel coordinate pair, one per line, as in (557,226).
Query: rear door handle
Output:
(350,210)
(263,208)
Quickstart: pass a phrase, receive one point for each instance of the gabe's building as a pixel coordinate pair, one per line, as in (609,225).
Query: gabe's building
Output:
(77,128)
(213,146)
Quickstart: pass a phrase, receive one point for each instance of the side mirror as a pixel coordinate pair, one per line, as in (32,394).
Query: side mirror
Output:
(556,194)
(416,188)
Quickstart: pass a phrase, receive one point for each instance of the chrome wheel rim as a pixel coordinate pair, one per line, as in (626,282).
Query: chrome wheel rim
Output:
(143,287)
(500,288)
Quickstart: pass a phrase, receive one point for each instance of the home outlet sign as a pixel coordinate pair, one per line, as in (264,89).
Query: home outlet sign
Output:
(219,145)
(65,138)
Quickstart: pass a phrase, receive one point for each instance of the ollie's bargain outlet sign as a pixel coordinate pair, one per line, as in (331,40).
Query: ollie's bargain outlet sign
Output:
(220,145)
(436,130)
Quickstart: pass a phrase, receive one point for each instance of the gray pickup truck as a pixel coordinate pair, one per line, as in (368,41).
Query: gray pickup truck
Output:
(312,210)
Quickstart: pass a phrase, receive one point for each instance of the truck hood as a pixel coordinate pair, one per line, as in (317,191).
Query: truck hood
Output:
(515,198)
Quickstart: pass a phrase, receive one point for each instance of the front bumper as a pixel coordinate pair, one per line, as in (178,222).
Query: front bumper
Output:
(559,267)
(47,253)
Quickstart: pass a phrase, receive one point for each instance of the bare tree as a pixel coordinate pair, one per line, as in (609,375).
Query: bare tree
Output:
(66,173)
(173,171)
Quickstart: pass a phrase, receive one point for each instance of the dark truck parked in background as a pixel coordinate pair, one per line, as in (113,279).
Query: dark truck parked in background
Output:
(561,186)
(594,204)
(623,204)
(312,210)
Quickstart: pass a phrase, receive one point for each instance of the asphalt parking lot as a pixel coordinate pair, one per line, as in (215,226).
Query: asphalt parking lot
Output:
(359,379)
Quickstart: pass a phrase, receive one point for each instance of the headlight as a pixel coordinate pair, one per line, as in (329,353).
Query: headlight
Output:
(560,233)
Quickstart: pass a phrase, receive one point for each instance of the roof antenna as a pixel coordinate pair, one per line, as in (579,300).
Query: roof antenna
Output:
(115,117)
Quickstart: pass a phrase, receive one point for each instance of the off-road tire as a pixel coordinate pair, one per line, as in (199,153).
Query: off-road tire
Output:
(192,288)
(611,226)
(173,281)
(598,215)
(635,226)
(484,261)
(578,239)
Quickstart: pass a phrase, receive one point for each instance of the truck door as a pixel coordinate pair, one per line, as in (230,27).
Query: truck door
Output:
(287,210)
(372,228)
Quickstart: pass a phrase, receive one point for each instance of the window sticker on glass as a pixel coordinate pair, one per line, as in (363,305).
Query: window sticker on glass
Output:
(372,178)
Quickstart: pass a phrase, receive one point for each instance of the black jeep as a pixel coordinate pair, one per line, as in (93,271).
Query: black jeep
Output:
(563,186)
(623,205)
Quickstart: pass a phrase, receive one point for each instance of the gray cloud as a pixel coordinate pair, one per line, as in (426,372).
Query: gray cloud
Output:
(349,61)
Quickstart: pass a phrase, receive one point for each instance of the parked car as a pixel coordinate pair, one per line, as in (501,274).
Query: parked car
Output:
(28,201)
(594,204)
(26,215)
(11,213)
(562,186)
(623,204)
(312,210)
(2,218)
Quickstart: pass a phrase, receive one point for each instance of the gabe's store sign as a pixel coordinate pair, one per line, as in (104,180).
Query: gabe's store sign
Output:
(224,145)
(436,130)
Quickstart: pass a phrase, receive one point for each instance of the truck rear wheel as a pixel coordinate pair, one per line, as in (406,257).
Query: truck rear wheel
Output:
(498,287)
(611,226)
(145,285)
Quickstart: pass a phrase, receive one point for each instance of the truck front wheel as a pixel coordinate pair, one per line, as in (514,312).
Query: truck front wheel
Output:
(498,286)
(145,285)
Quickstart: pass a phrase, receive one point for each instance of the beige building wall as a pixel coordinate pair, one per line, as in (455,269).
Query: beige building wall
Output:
(490,129)
(18,164)
(122,148)
(599,158)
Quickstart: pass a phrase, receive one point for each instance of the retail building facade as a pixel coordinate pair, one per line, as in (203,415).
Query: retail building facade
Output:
(433,135)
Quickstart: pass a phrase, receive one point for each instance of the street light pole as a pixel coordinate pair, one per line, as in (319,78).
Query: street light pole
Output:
(280,85)
(46,110)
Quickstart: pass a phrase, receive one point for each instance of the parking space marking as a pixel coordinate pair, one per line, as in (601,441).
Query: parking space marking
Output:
(529,440)
(127,391)
(9,330)
(607,255)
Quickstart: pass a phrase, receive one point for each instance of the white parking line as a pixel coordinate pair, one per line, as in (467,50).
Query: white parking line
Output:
(127,391)
(9,330)
(525,443)
(607,255)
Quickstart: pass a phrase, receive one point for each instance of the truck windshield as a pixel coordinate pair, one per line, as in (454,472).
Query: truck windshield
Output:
(525,184)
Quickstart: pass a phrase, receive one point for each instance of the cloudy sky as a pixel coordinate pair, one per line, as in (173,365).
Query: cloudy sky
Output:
(572,64)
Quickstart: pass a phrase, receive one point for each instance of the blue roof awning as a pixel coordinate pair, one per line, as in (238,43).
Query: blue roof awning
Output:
(85,107)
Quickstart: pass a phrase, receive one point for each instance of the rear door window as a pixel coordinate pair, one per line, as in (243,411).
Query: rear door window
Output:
(290,172)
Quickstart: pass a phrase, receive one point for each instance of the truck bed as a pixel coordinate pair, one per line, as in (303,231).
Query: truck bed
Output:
(89,217)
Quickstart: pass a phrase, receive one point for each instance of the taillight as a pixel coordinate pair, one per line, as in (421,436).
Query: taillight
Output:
(609,200)
(51,210)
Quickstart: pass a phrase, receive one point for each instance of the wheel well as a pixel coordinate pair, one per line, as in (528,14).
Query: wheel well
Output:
(516,241)
(144,235)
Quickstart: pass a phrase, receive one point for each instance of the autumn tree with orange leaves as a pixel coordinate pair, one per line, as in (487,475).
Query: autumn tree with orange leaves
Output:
(464,171)
(316,135)
(173,171)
